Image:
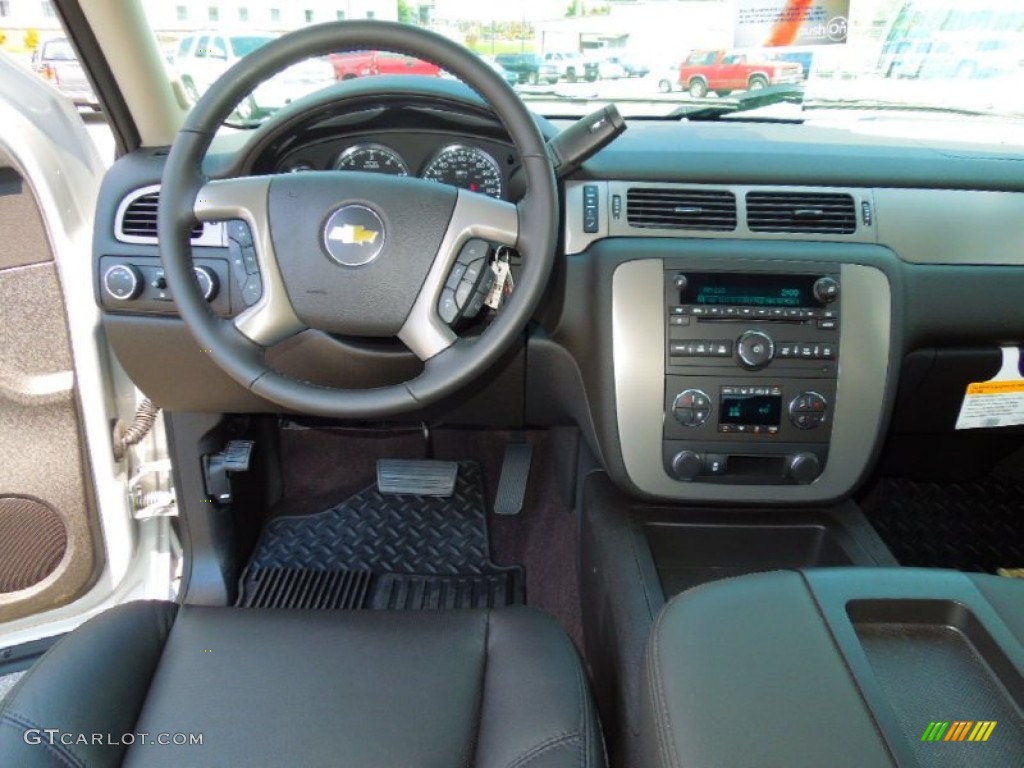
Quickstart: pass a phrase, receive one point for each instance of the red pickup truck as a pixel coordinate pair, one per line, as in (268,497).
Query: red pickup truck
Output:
(722,72)
(362,63)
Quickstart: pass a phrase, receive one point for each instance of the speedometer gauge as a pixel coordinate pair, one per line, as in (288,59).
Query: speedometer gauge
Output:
(466,167)
(373,158)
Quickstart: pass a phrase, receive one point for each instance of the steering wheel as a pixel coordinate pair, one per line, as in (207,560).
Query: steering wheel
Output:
(354,253)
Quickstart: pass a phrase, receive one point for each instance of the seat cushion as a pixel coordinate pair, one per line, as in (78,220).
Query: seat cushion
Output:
(372,689)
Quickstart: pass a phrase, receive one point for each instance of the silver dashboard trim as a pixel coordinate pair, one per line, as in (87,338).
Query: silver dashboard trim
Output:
(214,232)
(474,215)
(272,318)
(638,341)
(577,240)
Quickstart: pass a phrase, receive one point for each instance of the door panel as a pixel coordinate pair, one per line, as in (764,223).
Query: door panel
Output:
(48,529)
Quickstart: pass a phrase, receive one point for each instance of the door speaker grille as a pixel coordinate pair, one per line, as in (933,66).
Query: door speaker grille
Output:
(33,540)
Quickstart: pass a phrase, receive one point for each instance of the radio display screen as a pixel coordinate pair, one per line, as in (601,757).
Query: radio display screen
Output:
(751,410)
(749,290)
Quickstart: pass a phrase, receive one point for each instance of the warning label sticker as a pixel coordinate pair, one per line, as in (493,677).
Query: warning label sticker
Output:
(995,403)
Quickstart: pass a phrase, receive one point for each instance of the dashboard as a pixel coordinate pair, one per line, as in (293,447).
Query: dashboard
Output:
(686,331)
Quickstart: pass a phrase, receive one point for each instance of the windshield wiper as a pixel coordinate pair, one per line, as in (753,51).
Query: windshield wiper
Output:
(900,106)
(745,102)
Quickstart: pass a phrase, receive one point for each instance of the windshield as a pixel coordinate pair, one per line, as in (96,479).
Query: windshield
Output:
(699,59)
(243,46)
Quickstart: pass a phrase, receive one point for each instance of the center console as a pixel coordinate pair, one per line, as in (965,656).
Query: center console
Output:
(751,364)
(758,374)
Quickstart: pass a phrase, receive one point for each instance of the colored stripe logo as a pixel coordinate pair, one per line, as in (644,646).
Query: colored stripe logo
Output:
(958,730)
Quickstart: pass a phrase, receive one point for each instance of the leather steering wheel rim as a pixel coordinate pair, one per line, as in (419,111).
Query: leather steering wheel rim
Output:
(188,195)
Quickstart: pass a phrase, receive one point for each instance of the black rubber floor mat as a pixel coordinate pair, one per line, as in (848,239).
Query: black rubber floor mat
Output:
(417,552)
(967,526)
(304,588)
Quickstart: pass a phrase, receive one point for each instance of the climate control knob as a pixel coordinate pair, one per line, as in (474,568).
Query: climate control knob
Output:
(692,407)
(754,349)
(808,410)
(686,465)
(208,283)
(803,467)
(122,282)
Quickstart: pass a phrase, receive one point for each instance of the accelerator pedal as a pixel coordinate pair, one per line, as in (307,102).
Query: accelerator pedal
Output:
(515,474)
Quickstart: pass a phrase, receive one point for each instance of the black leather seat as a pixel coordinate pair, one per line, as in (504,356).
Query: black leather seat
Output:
(501,689)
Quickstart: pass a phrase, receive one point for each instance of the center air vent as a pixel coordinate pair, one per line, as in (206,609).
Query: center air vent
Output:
(800,212)
(138,219)
(657,208)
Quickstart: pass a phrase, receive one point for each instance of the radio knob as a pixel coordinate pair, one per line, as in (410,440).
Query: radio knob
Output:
(826,289)
(686,465)
(803,467)
(692,407)
(755,349)
(123,282)
(208,283)
(680,281)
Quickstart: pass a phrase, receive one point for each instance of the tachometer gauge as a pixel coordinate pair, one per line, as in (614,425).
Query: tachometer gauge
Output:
(373,158)
(466,167)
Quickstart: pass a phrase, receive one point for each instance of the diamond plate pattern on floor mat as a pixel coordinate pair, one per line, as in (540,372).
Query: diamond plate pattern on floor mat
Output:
(404,541)
(967,526)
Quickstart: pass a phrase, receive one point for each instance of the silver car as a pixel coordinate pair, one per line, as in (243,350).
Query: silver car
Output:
(58,63)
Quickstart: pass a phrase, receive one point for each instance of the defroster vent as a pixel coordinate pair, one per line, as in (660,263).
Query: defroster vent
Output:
(802,212)
(680,208)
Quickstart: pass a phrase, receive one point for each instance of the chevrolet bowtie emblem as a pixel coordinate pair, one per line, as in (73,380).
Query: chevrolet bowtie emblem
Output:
(353,234)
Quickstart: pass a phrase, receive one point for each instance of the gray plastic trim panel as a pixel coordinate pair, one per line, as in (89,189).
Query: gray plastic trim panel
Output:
(638,341)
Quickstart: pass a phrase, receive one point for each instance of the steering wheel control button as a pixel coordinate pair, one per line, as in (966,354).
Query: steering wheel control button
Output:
(591,216)
(826,289)
(808,410)
(354,235)
(252,290)
(447,308)
(238,231)
(123,282)
(455,276)
(208,284)
(754,349)
(692,407)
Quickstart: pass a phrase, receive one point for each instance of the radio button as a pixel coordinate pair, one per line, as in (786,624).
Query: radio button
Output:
(677,320)
(699,311)
(827,325)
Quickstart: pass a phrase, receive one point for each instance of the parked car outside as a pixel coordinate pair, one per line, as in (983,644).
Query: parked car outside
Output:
(528,67)
(205,55)
(631,66)
(352,64)
(507,75)
(608,67)
(571,66)
(57,62)
(724,72)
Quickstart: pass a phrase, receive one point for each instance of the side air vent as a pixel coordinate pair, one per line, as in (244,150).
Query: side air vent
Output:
(660,208)
(139,218)
(798,212)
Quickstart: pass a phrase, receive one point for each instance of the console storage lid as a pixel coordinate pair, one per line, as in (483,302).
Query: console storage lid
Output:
(838,667)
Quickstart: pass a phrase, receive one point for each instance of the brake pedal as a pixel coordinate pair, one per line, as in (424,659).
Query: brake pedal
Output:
(416,477)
